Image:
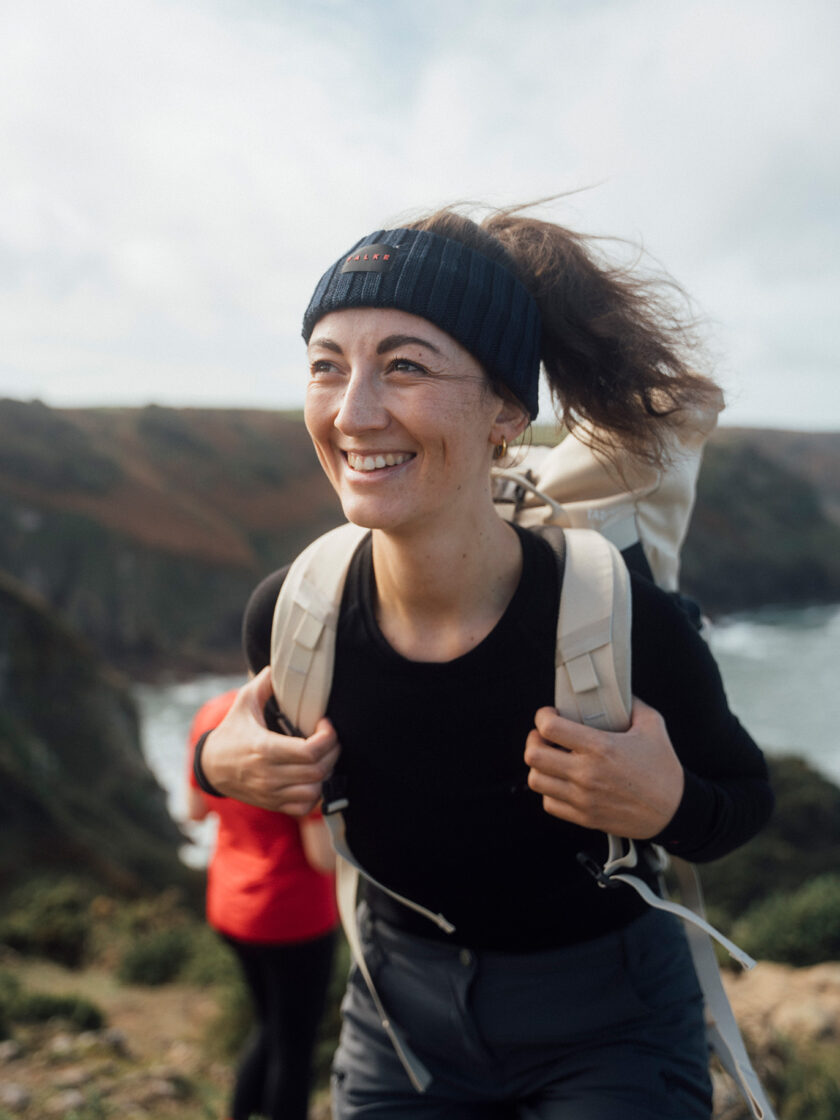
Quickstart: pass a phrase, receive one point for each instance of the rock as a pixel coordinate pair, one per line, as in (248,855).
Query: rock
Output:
(14,1097)
(72,1078)
(116,1040)
(65,1102)
(775,999)
(160,1089)
(810,1020)
(183,1055)
(62,1045)
(10,1049)
(88,1041)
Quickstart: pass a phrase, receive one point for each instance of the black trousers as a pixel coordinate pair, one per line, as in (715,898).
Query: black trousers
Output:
(610,1029)
(289,985)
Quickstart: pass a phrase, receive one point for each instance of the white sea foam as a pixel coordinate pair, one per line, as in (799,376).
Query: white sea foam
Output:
(166,712)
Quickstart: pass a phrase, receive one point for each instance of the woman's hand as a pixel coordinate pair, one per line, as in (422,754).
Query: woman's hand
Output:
(628,783)
(241,758)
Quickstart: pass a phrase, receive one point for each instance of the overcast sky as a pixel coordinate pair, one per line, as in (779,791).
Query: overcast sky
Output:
(176,174)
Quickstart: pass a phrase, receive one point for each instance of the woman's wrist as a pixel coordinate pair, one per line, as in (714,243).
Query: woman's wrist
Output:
(201,778)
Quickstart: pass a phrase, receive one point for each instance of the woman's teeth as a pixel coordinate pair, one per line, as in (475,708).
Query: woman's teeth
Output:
(375,462)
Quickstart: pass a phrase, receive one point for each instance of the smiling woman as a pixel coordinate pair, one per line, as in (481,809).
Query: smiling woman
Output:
(403,420)
(531,993)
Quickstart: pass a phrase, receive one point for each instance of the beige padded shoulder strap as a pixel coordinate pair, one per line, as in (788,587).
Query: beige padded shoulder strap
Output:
(304,626)
(592,659)
(303,635)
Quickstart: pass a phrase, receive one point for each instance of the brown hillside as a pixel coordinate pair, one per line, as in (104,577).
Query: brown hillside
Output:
(149,527)
(188,482)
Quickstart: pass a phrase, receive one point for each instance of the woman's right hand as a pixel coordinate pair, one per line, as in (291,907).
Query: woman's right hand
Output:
(242,759)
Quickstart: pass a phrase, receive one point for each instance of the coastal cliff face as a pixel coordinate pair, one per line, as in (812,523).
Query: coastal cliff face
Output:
(75,791)
(766,525)
(147,528)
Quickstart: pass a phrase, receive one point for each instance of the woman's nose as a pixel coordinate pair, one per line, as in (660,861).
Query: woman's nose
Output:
(362,406)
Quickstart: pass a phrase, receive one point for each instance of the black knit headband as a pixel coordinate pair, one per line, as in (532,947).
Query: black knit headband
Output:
(480,303)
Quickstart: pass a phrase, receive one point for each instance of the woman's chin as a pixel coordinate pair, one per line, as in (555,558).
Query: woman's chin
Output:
(373,515)
(365,515)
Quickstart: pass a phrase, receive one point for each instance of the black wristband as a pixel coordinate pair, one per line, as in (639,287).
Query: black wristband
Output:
(200,776)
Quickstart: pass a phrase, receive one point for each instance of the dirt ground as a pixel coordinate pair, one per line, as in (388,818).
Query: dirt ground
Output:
(150,1060)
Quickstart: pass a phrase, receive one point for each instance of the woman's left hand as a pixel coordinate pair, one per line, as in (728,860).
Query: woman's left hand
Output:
(628,783)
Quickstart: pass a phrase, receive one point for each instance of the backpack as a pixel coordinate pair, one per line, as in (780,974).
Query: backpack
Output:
(592,513)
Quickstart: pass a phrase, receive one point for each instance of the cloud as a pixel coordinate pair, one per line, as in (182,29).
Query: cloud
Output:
(177,174)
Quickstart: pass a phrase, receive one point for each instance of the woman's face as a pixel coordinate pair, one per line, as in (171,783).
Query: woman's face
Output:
(402,418)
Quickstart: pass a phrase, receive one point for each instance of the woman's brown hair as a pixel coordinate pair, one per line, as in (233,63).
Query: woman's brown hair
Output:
(615,349)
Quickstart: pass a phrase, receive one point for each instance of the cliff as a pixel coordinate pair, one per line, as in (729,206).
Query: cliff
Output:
(75,791)
(766,525)
(147,528)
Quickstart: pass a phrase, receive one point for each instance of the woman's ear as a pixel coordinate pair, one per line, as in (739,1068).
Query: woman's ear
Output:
(511,421)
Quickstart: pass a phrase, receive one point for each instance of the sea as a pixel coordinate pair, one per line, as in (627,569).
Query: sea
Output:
(780,668)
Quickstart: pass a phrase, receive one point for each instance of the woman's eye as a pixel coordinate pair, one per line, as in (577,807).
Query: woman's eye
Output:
(320,367)
(404,365)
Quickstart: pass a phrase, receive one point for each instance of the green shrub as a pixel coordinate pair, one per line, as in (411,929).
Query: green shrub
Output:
(799,928)
(40,1007)
(49,919)
(803,1083)
(211,961)
(228,1030)
(155,958)
(801,841)
(9,991)
(9,987)
(21,1005)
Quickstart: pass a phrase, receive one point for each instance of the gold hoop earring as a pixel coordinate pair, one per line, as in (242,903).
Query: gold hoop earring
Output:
(500,450)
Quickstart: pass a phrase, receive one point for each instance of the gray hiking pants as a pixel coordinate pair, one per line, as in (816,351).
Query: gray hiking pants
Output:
(607,1030)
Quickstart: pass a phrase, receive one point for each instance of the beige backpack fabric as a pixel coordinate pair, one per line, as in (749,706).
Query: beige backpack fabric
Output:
(625,500)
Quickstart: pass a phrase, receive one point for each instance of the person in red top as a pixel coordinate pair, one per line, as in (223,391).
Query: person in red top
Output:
(271,896)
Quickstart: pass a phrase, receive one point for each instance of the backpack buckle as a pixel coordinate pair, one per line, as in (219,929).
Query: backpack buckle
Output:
(596,870)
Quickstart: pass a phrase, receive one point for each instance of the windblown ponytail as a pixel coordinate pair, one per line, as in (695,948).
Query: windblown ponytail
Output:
(615,349)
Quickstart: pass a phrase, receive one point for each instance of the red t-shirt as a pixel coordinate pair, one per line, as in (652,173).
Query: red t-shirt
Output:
(260,886)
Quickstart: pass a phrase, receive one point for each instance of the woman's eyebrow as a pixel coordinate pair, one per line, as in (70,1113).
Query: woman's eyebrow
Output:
(395,341)
(326,344)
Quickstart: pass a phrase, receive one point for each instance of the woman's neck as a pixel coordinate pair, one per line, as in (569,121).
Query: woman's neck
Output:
(439,594)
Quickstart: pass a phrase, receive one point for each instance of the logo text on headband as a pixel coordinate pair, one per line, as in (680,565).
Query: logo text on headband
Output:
(370,258)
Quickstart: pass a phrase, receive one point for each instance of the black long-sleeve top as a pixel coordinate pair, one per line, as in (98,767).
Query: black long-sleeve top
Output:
(432,763)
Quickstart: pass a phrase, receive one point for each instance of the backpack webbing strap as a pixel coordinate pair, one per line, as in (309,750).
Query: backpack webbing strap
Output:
(334,817)
(721,1028)
(592,686)
(347,879)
